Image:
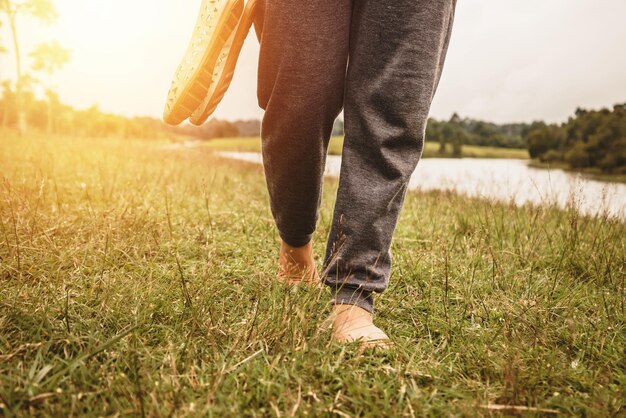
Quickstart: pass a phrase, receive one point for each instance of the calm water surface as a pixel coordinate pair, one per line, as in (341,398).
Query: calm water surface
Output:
(502,179)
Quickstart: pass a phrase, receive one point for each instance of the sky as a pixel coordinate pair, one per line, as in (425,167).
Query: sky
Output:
(508,61)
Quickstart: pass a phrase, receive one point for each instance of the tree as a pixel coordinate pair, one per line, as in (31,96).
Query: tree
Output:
(49,58)
(7,102)
(458,139)
(577,157)
(542,138)
(3,50)
(454,133)
(219,129)
(433,133)
(590,139)
(43,10)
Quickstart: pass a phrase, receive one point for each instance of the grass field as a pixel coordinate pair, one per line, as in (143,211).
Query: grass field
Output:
(137,280)
(431,149)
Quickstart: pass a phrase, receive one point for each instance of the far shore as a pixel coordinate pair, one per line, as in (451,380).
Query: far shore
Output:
(431,150)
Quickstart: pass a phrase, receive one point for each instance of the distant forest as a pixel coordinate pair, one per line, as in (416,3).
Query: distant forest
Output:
(457,132)
(53,116)
(591,139)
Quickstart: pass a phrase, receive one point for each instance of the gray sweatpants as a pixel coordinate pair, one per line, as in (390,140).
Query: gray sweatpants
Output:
(379,60)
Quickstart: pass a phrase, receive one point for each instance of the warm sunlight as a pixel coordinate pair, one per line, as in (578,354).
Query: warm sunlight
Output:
(496,50)
(315,208)
(133,46)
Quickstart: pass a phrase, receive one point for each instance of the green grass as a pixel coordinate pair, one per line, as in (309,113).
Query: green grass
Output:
(431,149)
(138,280)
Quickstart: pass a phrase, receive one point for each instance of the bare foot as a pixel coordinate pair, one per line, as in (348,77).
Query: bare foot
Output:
(297,264)
(353,323)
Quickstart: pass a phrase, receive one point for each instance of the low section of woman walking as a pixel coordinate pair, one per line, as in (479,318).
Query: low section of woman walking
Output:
(379,61)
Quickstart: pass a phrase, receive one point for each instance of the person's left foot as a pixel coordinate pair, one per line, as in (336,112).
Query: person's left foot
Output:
(297,264)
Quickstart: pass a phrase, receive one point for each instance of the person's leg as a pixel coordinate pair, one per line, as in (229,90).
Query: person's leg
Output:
(302,66)
(397,53)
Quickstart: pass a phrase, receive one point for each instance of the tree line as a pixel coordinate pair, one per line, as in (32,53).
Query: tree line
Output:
(591,139)
(456,132)
(20,109)
(53,116)
(47,57)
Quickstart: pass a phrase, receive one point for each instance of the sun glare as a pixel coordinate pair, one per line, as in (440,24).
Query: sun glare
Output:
(112,42)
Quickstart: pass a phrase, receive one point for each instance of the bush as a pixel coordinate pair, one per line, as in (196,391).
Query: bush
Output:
(551,156)
(608,162)
(577,157)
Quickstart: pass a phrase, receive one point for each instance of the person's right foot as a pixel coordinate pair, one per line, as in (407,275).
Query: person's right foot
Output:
(297,264)
(353,323)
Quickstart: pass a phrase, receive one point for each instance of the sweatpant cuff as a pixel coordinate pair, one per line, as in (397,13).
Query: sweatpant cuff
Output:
(353,296)
(296,240)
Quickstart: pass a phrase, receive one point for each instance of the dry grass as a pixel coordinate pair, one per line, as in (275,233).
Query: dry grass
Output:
(137,280)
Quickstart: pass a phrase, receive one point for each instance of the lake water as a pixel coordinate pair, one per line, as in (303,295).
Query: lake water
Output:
(504,180)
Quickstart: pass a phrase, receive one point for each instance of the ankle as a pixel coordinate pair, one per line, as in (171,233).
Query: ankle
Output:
(296,255)
(297,264)
(346,314)
(306,248)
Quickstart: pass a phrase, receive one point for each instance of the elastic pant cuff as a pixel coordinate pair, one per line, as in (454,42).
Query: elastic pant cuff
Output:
(353,296)
(295,240)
